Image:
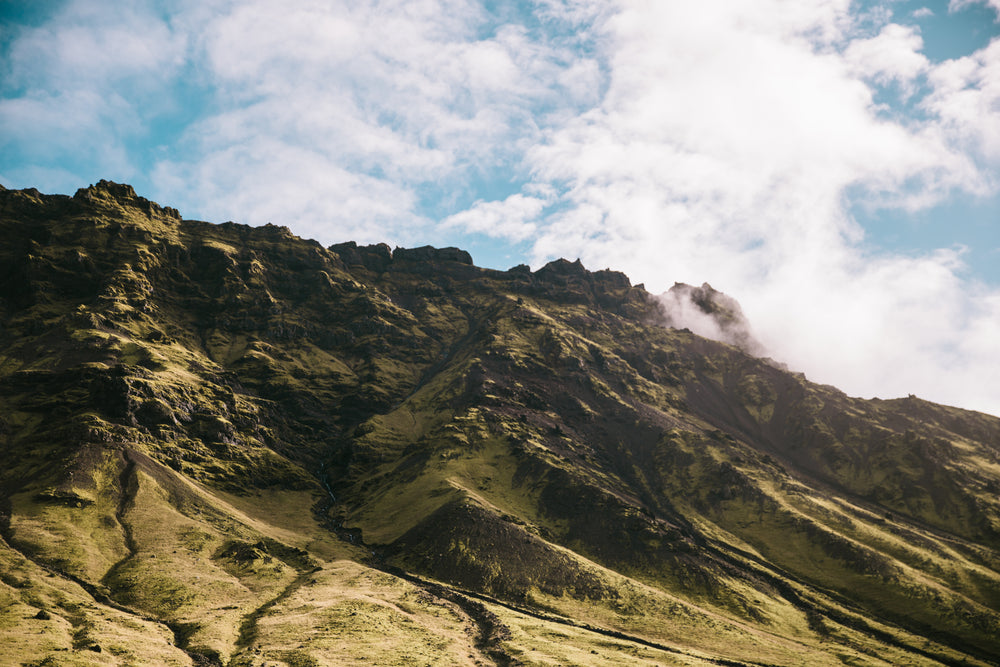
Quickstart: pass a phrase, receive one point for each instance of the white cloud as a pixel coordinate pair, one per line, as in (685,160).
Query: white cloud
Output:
(78,87)
(264,180)
(885,326)
(38,126)
(966,98)
(85,45)
(956,5)
(515,218)
(404,97)
(892,55)
(727,150)
(922,13)
(740,124)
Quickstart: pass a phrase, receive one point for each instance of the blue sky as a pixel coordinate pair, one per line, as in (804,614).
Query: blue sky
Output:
(834,165)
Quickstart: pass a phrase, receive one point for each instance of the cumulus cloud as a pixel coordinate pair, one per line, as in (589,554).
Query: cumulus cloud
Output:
(399,104)
(966,98)
(892,56)
(515,218)
(710,314)
(263,180)
(399,100)
(729,148)
(85,45)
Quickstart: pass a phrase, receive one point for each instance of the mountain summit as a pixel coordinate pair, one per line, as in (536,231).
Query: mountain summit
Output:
(710,313)
(229,445)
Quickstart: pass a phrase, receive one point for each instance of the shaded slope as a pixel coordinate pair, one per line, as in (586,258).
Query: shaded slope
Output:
(186,405)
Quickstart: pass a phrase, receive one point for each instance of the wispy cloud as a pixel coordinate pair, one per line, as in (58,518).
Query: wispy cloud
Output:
(394,103)
(86,46)
(956,5)
(78,88)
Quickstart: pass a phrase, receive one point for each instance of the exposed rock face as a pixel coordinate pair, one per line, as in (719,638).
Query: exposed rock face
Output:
(378,257)
(430,254)
(119,192)
(229,445)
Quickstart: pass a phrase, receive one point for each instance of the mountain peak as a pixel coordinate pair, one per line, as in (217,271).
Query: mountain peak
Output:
(105,188)
(563,267)
(122,194)
(710,314)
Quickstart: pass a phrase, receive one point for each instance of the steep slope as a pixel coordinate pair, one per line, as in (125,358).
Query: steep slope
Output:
(229,445)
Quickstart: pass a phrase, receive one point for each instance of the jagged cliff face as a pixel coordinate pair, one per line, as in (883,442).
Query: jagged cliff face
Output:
(230,445)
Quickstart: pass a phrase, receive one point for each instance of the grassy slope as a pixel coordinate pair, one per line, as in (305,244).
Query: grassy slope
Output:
(189,408)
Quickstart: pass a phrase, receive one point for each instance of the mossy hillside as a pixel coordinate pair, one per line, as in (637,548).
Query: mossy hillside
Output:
(195,574)
(905,460)
(837,543)
(560,349)
(535,435)
(74,526)
(87,638)
(644,613)
(459,554)
(352,615)
(200,427)
(49,617)
(851,551)
(722,473)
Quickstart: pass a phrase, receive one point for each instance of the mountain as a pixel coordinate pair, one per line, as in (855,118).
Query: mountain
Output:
(228,445)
